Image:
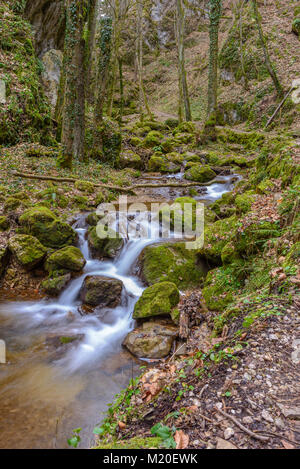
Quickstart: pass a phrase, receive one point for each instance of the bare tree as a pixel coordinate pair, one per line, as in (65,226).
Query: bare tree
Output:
(184,101)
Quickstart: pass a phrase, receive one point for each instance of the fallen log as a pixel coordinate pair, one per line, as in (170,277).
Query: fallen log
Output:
(128,189)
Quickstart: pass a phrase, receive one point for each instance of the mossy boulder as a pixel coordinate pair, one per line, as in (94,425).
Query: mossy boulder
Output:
(43,224)
(27,249)
(224,207)
(99,291)
(184,139)
(172,123)
(216,236)
(68,258)
(54,285)
(175,157)
(85,186)
(153,139)
(159,299)
(229,253)
(265,187)
(162,165)
(104,242)
(200,173)
(171,262)
(129,159)
(167,145)
(151,340)
(11,204)
(136,141)
(185,127)
(4,223)
(244,202)
(92,219)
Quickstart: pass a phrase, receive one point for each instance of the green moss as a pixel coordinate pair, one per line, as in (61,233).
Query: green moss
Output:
(171,262)
(161,164)
(129,159)
(11,204)
(55,284)
(43,224)
(293,257)
(229,253)
(153,139)
(223,207)
(265,186)
(85,186)
(68,258)
(219,289)
(244,202)
(28,251)
(104,242)
(172,123)
(185,127)
(175,315)
(216,236)
(175,157)
(4,223)
(200,173)
(296,26)
(252,238)
(159,299)
(133,443)
(249,140)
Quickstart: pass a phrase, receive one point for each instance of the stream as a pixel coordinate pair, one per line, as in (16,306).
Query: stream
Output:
(46,391)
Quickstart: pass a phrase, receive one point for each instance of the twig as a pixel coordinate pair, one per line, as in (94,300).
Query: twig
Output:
(279,107)
(202,390)
(179,348)
(242,427)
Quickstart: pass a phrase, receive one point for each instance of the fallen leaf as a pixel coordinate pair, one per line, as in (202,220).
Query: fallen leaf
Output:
(181,439)
(287,445)
(122,425)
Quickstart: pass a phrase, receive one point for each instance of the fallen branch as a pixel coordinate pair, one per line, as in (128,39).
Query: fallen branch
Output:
(279,107)
(242,427)
(128,189)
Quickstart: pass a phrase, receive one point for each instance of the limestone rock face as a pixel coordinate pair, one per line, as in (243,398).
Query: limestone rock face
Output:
(100,291)
(151,340)
(52,61)
(48,21)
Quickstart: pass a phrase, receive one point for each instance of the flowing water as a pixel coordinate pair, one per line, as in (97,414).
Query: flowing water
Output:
(47,391)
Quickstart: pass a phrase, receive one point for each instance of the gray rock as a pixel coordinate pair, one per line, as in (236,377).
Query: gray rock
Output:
(100,291)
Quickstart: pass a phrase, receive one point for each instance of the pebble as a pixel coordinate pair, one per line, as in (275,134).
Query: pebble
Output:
(228,433)
(267,416)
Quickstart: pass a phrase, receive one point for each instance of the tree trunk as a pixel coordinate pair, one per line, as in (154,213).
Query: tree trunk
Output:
(121,91)
(73,115)
(214,15)
(104,45)
(143,102)
(183,88)
(90,45)
(268,62)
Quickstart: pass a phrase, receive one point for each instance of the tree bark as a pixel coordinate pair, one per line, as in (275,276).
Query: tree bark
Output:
(73,115)
(214,15)
(184,101)
(268,62)
(90,45)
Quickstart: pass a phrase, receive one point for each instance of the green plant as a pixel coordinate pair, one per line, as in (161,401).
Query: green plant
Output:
(166,434)
(75,438)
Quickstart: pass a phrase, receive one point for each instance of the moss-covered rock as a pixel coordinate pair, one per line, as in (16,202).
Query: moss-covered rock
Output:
(200,173)
(99,291)
(223,207)
(85,186)
(175,157)
(180,216)
(159,299)
(92,219)
(171,123)
(104,243)
(167,145)
(54,285)
(4,223)
(68,258)
(244,201)
(185,127)
(162,165)
(43,224)
(11,204)
(216,236)
(265,186)
(171,262)
(129,159)
(296,26)
(28,251)
(229,253)
(151,340)
(153,139)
